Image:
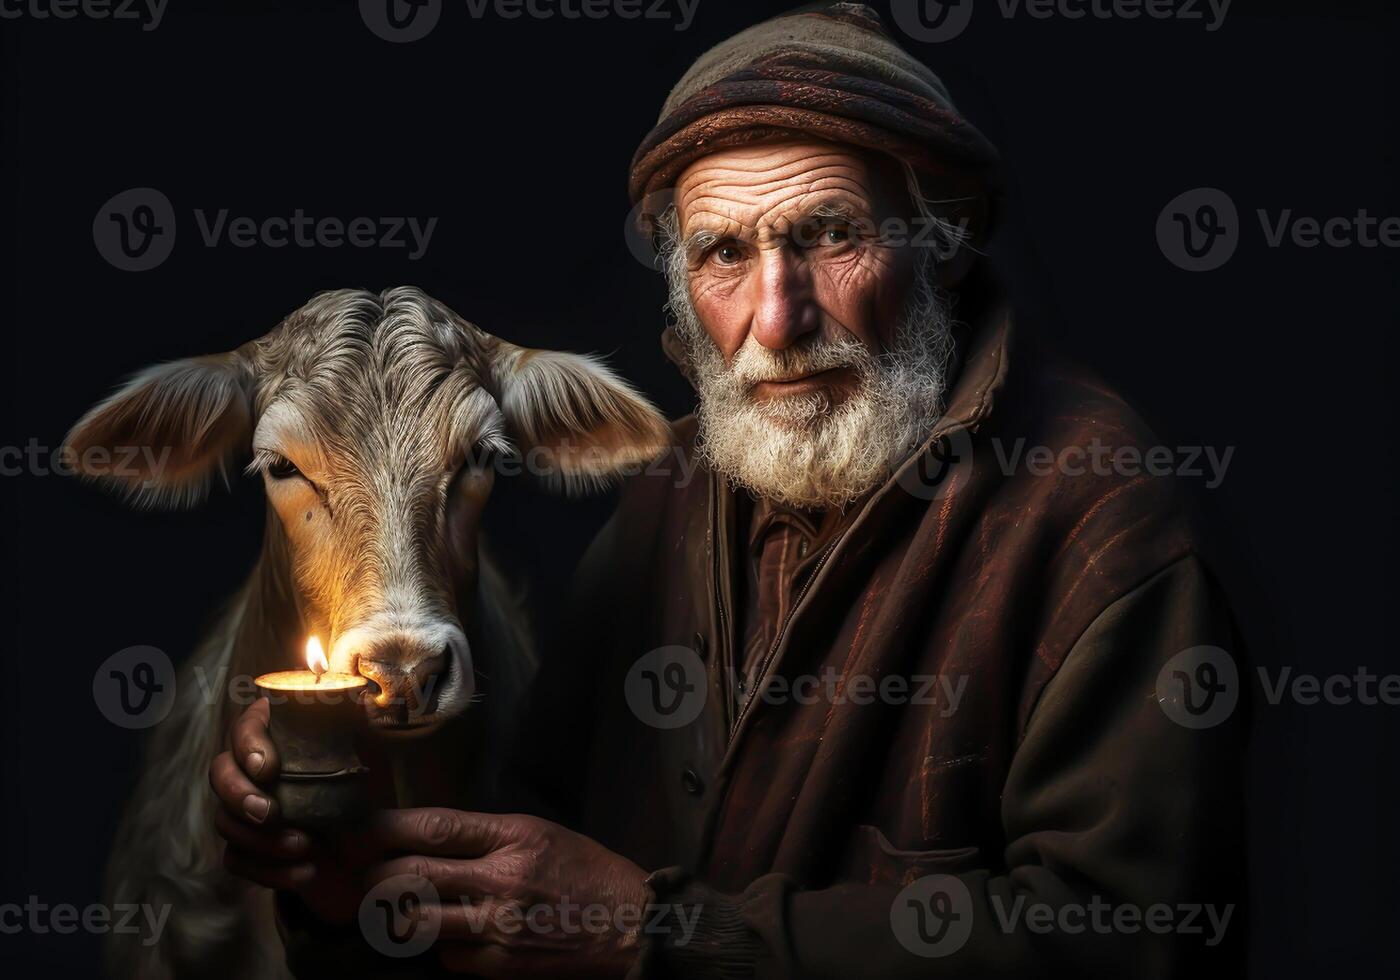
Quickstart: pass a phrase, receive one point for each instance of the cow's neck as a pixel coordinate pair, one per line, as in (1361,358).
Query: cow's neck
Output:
(269,626)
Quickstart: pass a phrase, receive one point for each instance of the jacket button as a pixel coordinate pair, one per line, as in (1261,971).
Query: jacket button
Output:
(690,779)
(699,642)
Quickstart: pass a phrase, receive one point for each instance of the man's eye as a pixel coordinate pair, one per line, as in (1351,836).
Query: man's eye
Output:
(727,254)
(836,235)
(282,468)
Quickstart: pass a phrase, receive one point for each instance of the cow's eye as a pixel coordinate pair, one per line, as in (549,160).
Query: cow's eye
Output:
(282,468)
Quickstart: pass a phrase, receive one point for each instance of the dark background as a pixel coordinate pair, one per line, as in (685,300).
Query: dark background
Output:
(516,135)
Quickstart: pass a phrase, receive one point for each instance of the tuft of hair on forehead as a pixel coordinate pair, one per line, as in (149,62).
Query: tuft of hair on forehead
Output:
(400,339)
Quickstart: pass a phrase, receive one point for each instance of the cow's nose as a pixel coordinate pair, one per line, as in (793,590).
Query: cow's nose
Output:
(408,681)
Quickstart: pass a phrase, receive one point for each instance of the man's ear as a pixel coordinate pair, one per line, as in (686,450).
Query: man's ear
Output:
(161,439)
(570,414)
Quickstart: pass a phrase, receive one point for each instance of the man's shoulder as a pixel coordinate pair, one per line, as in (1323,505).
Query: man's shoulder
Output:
(1064,427)
(1063,403)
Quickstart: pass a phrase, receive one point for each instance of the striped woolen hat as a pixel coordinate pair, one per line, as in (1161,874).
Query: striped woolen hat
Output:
(831,73)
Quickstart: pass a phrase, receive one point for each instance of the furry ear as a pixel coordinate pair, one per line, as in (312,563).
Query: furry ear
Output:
(574,416)
(161,439)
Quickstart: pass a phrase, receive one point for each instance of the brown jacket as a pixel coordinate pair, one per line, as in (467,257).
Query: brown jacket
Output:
(1039,769)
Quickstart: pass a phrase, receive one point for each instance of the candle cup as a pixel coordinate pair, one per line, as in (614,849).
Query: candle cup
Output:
(321,784)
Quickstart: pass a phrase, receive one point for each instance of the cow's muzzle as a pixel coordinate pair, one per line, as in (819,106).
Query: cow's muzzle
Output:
(418,678)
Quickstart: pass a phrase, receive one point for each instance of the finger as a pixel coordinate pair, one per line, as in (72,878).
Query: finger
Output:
(482,923)
(283,877)
(451,878)
(251,744)
(263,843)
(442,832)
(238,794)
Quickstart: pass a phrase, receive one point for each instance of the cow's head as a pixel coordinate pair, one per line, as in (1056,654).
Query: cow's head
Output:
(375,422)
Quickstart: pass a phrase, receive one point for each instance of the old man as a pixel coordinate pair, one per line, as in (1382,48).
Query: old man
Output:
(859,693)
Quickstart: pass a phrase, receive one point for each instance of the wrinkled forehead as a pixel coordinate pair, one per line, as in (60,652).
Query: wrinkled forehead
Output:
(354,375)
(765,187)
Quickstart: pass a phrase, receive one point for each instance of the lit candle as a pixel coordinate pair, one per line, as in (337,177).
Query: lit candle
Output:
(316,680)
(312,722)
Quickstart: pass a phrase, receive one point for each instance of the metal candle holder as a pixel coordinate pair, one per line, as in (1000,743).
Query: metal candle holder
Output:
(322,783)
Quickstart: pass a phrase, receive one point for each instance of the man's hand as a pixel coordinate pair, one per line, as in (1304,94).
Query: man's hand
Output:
(259,847)
(516,896)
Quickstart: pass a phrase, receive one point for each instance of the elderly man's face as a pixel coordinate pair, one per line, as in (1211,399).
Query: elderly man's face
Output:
(818,347)
(780,248)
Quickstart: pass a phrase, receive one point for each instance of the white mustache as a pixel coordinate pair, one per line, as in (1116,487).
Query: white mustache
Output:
(753,363)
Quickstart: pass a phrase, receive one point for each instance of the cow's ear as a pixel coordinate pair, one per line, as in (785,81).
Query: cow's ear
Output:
(163,437)
(579,424)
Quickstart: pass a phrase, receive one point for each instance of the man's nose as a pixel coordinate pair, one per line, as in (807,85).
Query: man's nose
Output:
(407,672)
(784,307)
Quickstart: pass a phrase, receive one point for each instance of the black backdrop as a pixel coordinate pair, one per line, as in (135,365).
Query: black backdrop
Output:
(516,134)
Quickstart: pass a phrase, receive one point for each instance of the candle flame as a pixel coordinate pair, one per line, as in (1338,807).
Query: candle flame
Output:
(316,657)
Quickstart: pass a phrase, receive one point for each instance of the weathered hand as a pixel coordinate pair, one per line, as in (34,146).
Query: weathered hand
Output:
(259,847)
(515,895)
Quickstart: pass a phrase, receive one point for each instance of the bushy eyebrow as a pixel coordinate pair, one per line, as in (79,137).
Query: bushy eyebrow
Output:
(704,238)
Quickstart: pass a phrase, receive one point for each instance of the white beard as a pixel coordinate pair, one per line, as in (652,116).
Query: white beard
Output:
(800,450)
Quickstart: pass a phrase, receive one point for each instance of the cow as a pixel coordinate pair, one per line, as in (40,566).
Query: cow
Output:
(373,421)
